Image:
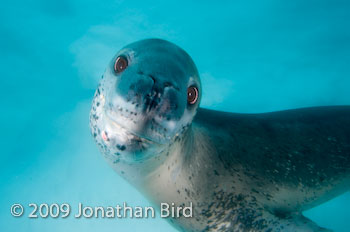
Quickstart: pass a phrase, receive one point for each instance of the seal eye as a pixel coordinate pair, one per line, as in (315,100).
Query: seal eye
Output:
(120,64)
(192,95)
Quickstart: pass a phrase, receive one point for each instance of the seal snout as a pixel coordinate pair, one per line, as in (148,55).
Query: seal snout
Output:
(149,94)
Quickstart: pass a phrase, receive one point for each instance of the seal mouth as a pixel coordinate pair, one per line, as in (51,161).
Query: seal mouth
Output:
(129,134)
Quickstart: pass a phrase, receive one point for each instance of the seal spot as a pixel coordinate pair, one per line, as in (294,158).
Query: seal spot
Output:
(121,147)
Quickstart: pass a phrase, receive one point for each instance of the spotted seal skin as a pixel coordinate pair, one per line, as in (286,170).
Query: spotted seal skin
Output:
(242,172)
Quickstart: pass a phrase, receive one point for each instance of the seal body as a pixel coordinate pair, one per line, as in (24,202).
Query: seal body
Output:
(240,172)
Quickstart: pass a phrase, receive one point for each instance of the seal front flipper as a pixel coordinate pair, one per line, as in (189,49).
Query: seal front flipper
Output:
(292,223)
(264,221)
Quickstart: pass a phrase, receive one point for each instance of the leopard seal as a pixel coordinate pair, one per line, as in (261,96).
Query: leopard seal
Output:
(241,172)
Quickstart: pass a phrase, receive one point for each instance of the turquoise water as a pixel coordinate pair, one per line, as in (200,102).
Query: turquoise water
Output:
(253,56)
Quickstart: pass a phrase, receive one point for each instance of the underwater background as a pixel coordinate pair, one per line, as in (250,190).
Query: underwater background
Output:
(253,56)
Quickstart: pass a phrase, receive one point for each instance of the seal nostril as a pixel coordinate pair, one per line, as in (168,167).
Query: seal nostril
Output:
(153,78)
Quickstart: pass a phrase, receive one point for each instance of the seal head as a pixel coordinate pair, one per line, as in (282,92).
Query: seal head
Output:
(148,96)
